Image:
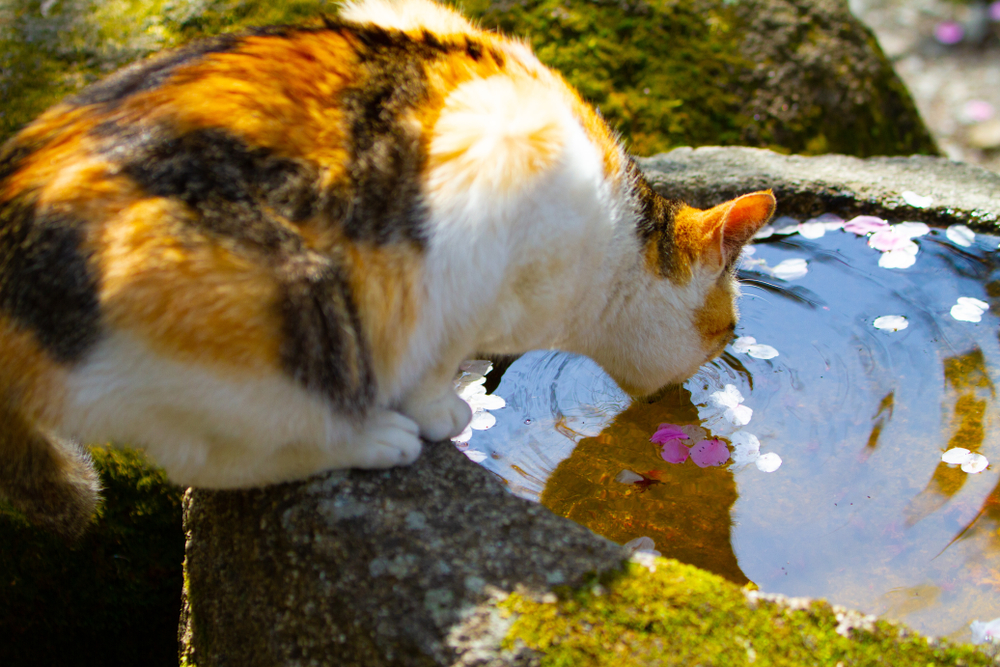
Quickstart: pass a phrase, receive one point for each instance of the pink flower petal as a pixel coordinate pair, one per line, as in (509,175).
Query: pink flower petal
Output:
(863,224)
(887,239)
(674,451)
(668,432)
(709,453)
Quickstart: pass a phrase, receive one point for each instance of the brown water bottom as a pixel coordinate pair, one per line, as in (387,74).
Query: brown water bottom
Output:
(862,510)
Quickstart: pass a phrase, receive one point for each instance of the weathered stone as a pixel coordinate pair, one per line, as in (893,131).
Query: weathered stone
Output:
(961,193)
(403,567)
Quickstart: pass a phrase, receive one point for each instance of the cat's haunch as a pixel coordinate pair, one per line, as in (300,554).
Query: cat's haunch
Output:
(264,255)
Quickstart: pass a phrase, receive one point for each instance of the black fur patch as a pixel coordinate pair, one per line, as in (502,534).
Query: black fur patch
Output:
(656,218)
(323,346)
(46,283)
(236,190)
(149,74)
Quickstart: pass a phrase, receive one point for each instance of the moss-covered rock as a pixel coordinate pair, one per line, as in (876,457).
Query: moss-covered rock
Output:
(111,599)
(667,613)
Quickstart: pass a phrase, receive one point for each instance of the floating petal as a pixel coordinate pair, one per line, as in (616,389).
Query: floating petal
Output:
(743,343)
(729,397)
(975,463)
(785,225)
(812,230)
(482,421)
(891,323)
(790,269)
(956,455)
(960,235)
(969,310)
(983,633)
(764,232)
(642,545)
(628,477)
(665,432)
(911,230)
(694,432)
(746,448)
(863,224)
(917,201)
(831,220)
(674,451)
(740,415)
(889,239)
(463,437)
(768,462)
(762,352)
(897,259)
(709,453)
(476,455)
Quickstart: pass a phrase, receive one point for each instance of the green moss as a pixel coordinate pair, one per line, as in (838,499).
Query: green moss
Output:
(111,599)
(680,615)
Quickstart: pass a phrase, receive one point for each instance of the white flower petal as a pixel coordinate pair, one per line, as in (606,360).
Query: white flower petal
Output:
(956,455)
(729,397)
(897,259)
(966,312)
(911,230)
(790,269)
(628,477)
(917,201)
(489,402)
(463,437)
(764,232)
(891,323)
(762,352)
(971,301)
(812,230)
(746,448)
(482,421)
(975,463)
(476,455)
(743,343)
(768,462)
(960,235)
(740,415)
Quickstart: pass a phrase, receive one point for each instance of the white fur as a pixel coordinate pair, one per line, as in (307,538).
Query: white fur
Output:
(211,430)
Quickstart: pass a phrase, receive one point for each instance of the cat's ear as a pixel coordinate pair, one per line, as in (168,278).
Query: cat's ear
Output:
(735,223)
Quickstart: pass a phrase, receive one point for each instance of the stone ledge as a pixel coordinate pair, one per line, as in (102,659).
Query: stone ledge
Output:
(962,193)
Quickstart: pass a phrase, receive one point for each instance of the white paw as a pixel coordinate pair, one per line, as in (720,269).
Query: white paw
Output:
(389,439)
(441,419)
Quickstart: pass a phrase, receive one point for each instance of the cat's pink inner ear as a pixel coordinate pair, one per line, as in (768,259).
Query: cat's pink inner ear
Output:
(743,218)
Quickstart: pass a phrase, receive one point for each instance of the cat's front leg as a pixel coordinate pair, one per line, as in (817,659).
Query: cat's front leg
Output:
(435,407)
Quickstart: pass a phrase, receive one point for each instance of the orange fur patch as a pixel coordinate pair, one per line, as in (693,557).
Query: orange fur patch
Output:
(31,380)
(387,286)
(274,92)
(184,295)
(716,318)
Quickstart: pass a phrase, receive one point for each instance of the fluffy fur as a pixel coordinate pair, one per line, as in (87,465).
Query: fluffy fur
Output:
(264,255)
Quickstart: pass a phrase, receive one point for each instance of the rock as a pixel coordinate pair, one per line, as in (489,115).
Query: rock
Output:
(801,76)
(399,567)
(804,186)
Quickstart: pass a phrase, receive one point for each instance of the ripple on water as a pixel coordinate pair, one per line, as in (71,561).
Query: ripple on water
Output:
(866,378)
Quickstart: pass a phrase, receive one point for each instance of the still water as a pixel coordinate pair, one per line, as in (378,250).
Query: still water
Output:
(862,510)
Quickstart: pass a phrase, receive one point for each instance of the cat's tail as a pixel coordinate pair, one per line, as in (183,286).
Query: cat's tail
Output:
(50,480)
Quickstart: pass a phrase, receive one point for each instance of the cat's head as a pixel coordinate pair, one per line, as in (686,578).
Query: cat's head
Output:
(678,309)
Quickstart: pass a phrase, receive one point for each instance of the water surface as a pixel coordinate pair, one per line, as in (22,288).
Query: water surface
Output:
(862,511)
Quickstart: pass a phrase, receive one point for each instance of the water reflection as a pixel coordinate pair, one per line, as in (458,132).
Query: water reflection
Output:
(862,511)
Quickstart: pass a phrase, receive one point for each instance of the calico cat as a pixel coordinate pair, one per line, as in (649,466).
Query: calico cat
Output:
(264,255)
